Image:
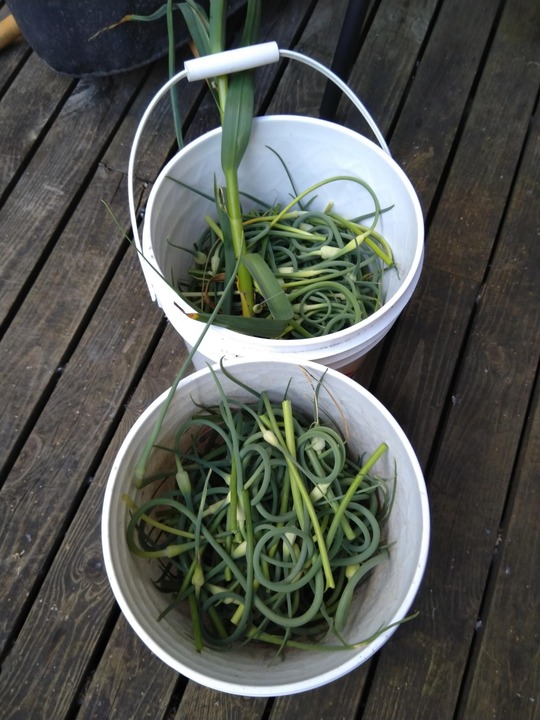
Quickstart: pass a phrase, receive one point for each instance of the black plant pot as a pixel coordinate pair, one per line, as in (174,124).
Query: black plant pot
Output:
(66,33)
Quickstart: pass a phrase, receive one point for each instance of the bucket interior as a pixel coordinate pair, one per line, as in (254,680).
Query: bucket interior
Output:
(312,150)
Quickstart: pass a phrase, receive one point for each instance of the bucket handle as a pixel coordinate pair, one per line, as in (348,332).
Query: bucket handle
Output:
(225,63)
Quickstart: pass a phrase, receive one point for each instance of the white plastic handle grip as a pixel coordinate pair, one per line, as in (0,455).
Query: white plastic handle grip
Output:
(231,61)
(220,64)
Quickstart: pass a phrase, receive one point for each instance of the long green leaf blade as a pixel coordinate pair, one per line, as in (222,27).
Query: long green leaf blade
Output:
(228,246)
(238,115)
(277,301)
(252,24)
(198,26)
(217,25)
(258,327)
(237,121)
(177,119)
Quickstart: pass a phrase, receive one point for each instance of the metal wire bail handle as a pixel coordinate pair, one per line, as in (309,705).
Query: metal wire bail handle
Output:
(225,63)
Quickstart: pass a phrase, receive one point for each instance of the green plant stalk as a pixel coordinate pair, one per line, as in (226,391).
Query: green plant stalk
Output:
(379,452)
(149,520)
(217,44)
(344,603)
(295,479)
(245,281)
(140,468)
(242,617)
(236,482)
(236,130)
(195,623)
(296,482)
(321,183)
(256,634)
(169,551)
(172,69)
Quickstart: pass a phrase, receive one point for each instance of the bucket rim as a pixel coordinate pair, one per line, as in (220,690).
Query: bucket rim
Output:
(296,344)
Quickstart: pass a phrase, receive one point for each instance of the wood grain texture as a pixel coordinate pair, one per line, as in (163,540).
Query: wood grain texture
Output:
(40,203)
(22,122)
(464,231)
(107,694)
(505,677)
(130,681)
(387,60)
(37,680)
(414,373)
(471,472)
(200,702)
(338,700)
(429,119)
(300,90)
(74,604)
(36,502)
(48,320)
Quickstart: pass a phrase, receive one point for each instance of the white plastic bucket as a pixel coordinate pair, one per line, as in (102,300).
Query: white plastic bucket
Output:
(313,150)
(383,600)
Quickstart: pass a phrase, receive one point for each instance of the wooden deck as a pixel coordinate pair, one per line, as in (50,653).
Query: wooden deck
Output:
(454,86)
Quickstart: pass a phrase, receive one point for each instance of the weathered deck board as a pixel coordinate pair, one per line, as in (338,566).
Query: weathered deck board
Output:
(13,57)
(429,120)
(49,317)
(512,351)
(475,193)
(391,51)
(34,211)
(67,436)
(130,681)
(471,470)
(22,125)
(338,700)
(143,668)
(468,213)
(200,702)
(505,674)
(415,371)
